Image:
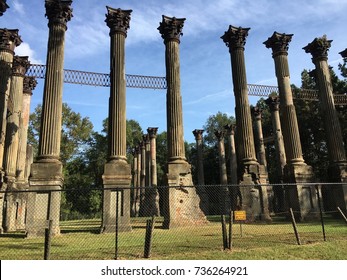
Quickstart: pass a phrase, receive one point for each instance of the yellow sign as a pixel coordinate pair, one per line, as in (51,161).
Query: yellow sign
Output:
(240,215)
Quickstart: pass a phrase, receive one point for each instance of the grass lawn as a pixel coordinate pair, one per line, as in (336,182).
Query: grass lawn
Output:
(257,241)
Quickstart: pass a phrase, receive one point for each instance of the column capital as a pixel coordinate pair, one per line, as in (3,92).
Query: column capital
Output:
(20,65)
(9,39)
(171,28)
(344,53)
(145,138)
(219,134)
(273,102)
(319,48)
(256,112)
(279,43)
(118,20)
(29,85)
(138,149)
(230,128)
(152,132)
(198,134)
(235,37)
(3,7)
(58,12)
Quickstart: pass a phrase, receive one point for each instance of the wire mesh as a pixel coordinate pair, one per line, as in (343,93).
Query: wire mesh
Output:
(80,235)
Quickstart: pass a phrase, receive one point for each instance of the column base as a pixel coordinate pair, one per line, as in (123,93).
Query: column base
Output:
(181,206)
(116,177)
(44,198)
(301,198)
(254,196)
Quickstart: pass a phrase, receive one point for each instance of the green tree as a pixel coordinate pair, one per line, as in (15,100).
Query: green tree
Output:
(75,132)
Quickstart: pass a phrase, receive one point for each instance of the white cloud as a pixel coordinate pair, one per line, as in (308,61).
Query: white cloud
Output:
(24,49)
(18,7)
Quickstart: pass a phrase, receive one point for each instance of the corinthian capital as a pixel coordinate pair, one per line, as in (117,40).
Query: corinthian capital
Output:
(343,53)
(29,84)
(273,102)
(198,133)
(152,132)
(235,37)
(279,43)
(256,112)
(118,20)
(20,65)
(58,11)
(319,48)
(3,7)
(9,39)
(171,28)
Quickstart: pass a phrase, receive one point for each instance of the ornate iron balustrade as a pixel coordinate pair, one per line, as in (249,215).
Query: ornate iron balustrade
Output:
(152,82)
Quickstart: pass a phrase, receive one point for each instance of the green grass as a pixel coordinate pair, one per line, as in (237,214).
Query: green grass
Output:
(81,240)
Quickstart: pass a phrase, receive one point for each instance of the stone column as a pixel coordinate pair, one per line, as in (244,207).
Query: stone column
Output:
(273,102)
(22,174)
(117,172)
(3,7)
(267,191)
(20,66)
(137,184)
(151,203)
(9,39)
(134,182)
(223,192)
(337,170)
(181,206)
(148,177)
(153,195)
(200,161)
(46,177)
(301,198)
(29,85)
(234,189)
(143,175)
(235,39)
(259,139)
(200,188)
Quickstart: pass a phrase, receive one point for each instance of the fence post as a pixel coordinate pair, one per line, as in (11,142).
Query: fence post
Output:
(148,238)
(116,237)
(321,213)
(294,226)
(224,232)
(343,215)
(231,218)
(48,239)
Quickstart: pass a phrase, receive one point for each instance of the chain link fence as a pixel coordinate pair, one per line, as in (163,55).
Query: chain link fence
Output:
(203,222)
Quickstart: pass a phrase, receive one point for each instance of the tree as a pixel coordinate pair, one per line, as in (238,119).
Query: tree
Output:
(75,132)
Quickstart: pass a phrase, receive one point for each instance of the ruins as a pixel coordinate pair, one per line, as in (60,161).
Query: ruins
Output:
(132,189)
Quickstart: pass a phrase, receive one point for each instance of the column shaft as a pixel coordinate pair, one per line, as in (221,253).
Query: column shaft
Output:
(175,137)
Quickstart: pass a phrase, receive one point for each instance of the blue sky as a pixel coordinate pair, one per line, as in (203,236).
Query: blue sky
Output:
(206,83)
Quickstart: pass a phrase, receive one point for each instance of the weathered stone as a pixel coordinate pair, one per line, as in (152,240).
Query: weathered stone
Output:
(223,192)
(181,205)
(200,188)
(151,203)
(267,192)
(279,198)
(117,172)
(46,171)
(234,189)
(337,170)
(296,171)
(20,66)
(248,168)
